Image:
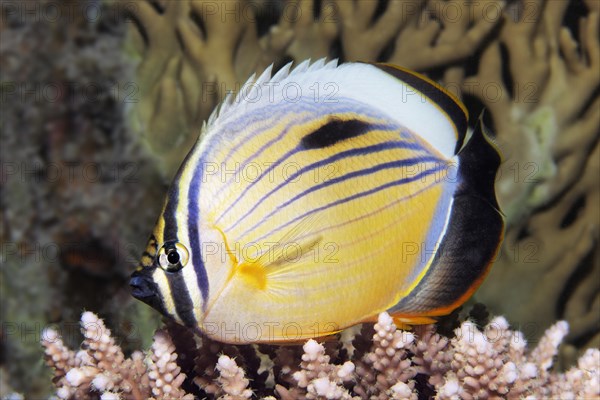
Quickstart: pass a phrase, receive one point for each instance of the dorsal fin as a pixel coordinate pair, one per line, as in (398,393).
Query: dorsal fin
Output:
(447,102)
(407,98)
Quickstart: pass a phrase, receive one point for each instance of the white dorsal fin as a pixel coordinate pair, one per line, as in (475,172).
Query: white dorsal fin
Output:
(265,76)
(414,106)
(319,64)
(302,67)
(251,81)
(332,64)
(282,73)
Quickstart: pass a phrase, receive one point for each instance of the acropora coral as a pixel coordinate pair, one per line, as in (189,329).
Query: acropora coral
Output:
(377,362)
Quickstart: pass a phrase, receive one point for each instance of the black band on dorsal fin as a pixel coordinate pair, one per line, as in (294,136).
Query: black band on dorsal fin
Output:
(333,131)
(474,233)
(446,101)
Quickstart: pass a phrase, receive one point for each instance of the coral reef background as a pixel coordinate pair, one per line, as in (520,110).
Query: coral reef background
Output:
(101,100)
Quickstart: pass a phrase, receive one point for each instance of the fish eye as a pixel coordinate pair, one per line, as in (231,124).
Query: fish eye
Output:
(173,256)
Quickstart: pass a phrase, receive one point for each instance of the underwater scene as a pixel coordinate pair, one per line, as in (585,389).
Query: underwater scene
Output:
(300,199)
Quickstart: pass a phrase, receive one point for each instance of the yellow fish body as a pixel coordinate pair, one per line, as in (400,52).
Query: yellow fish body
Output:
(320,197)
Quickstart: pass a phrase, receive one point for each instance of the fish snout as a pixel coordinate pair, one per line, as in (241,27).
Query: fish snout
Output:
(143,286)
(145,289)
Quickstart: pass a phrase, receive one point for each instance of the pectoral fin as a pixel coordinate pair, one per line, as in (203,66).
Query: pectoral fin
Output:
(285,258)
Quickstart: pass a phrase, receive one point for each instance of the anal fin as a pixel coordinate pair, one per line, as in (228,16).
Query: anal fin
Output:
(407,322)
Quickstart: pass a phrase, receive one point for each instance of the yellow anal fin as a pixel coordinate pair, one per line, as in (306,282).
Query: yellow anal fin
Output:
(407,322)
(403,321)
(324,338)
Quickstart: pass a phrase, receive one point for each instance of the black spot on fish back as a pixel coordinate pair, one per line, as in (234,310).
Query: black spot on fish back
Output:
(334,131)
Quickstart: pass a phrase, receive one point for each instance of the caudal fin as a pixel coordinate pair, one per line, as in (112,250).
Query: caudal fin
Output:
(472,238)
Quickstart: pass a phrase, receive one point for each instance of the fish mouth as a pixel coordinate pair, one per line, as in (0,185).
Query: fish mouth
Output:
(143,288)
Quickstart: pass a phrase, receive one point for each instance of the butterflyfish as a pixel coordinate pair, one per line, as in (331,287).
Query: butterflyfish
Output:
(320,196)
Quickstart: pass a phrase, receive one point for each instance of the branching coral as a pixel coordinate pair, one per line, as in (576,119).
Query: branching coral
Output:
(232,380)
(386,369)
(100,364)
(163,372)
(443,32)
(318,377)
(101,367)
(474,364)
